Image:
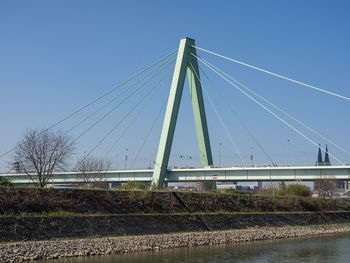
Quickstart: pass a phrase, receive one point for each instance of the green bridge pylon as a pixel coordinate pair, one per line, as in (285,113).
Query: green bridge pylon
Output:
(185,62)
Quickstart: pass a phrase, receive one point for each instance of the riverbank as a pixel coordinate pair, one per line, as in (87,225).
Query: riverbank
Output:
(35,228)
(36,250)
(52,223)
(34,201)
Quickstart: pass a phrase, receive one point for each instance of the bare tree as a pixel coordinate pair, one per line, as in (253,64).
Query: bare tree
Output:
(325,187)
(269,190)
(93,170)
(41,152)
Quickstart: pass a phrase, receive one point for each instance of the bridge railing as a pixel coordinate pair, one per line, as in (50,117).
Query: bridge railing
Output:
(297,173)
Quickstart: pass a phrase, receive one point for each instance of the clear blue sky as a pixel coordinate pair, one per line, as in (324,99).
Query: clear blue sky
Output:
(56,56)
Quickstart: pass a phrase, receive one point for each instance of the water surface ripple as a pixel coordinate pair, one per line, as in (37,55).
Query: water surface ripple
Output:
(334,249)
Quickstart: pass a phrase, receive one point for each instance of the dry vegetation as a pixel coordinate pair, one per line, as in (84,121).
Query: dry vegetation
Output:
(17,201)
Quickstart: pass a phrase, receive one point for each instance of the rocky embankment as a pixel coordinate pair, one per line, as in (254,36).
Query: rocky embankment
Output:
(24,251)
(52,223)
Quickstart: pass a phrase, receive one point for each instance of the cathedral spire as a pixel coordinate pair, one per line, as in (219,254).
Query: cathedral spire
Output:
(326,157)
(319,156)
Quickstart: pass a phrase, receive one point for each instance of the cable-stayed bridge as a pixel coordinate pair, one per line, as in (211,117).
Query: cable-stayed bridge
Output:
(187,64)
(241,174)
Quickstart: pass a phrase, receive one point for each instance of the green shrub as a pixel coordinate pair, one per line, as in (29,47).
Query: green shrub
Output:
(296,190)
(5,183)
(268,190)
(236,192)
(281,192)
(133,186)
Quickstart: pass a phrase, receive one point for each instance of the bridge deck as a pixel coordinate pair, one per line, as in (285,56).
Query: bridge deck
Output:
(242,174)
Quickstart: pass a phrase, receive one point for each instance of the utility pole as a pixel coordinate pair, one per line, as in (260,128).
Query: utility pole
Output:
(252,156)
(126,157)
(220,144)
(287,152)
(185,159)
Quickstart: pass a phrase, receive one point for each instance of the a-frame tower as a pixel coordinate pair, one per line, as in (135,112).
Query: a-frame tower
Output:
(185,62)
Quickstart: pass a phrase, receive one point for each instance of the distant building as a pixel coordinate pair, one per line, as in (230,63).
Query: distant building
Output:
(17,167)
(326,161)
(341,186)
(258,184)
(226,185)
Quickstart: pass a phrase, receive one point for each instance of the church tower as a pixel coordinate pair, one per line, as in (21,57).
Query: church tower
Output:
(319,161)
(326,158)
(326,161)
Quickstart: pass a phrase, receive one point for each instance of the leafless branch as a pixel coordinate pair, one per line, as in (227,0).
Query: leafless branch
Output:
(92,170)
(325,187)
(41,152)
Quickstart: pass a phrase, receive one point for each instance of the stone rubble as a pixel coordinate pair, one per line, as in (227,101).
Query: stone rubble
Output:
(37,250)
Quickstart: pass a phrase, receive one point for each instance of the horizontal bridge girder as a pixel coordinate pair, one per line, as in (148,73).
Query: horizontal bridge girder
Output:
(241,174)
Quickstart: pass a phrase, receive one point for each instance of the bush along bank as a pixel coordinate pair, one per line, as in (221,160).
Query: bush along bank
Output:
(27,201)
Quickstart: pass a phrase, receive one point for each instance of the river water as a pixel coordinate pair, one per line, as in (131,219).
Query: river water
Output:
(334,249)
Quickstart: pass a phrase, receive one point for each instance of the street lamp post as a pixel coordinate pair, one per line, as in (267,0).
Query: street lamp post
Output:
(287,152)
(126,157)
(252,156)
(220,144)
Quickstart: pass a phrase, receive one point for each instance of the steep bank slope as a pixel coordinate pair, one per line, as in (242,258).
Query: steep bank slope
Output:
(38,201)
(42,214)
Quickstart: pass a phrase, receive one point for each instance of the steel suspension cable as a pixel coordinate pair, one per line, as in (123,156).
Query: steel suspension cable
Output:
(274,74)
(130,111)
(268,110)
(131,122)
(96,99)
(120,103)
(240,120)
(219,117)
(120,93)
(149,132)
(280,109)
